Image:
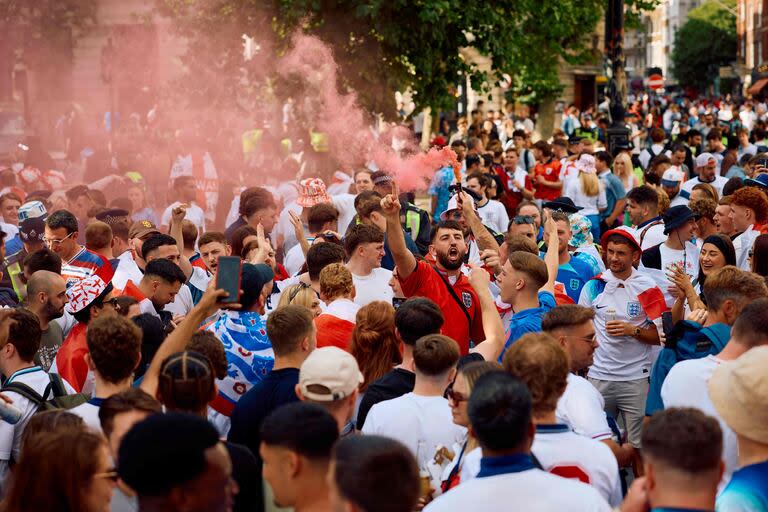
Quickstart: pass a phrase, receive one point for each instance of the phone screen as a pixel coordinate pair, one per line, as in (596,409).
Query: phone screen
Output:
(667,324)
(228,277)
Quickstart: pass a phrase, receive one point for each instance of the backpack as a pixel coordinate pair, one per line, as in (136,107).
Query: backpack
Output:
(54,397)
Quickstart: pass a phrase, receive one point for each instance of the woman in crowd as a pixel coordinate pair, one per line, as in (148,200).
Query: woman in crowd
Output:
(587,193)
(374,344)
(301,294)
(716,252)
(704,190)
(141,208)
(466,462)
(63,471)
(622,168)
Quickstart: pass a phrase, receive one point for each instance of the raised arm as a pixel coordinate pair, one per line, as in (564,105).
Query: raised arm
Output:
(484,238)
(179,338)
(491,348)
(404,259)
(177,217)
(551,258)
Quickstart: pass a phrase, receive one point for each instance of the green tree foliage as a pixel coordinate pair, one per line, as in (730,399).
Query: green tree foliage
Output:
(705,42)
(388,45)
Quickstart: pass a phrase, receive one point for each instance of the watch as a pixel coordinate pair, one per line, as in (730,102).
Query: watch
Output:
(637,332)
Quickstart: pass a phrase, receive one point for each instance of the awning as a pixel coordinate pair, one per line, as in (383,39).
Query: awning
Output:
(757,86)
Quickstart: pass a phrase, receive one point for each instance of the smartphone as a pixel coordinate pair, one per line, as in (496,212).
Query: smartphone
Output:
(667,324)
(228,276)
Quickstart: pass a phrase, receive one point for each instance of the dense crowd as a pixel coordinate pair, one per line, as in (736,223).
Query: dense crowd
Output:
(556,326)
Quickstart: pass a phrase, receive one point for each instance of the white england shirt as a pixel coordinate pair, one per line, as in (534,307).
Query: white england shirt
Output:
(374,286)
(582,408)
(494,215)
(564,453)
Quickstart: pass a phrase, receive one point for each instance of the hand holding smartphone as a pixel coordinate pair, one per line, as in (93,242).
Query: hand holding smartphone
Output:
(228,277)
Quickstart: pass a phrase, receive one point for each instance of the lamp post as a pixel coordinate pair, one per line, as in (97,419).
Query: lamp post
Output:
(617,134)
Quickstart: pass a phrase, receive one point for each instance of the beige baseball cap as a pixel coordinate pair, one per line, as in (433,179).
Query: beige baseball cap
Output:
(333,369)
(739,392)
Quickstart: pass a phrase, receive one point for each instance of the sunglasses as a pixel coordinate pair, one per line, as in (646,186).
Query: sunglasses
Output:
(523,219)
(114,303)
(455,396)
(295,291)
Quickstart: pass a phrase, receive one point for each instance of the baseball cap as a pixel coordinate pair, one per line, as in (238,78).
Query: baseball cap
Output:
(142,229)
(739,392)
(672,177)
(332,368)
(625,231)
(453,203)
(760,181)
(704,158)
(84,292)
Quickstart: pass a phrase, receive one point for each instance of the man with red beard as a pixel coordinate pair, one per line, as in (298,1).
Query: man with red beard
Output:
(443,282)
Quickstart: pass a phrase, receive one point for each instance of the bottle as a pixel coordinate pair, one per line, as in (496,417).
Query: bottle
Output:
(9,413)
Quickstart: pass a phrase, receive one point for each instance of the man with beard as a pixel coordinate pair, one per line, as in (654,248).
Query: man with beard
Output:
(443,282)
(158,288)
(46,297)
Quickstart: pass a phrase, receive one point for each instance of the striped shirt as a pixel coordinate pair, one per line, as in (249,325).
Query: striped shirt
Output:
(83,264)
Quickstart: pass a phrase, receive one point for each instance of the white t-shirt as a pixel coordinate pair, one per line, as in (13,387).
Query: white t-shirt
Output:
(651,235)
(618,358)
(494,215)
(686,386)
(127,270)
(689,262)
(90,415)
(743,244)
(719,183)
(645,155)
(564,453)
(10,435)
(533,490)
(421,423)
(591,204)
(195,215)
(294,260)
(374,286)
(582,408)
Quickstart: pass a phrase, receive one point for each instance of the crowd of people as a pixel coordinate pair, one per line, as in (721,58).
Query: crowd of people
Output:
(560,325)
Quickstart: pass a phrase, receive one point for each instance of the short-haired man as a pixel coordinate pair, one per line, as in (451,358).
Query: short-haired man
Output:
(500,416)
(515,181)
(444,282)
(707,172)
(176,462)
(546,173)
(728,290)
(415,318)
(336,323)
(541,363)
(20,331)
(573,270)
(119,222)
(656,149)
(158,287)
(581,405)
(132,262)
(527,284)
(491,212)
(330,377)
(722,218)
(368,207)
(9,208)
(114,352)
(255,204)
(626,302)
(414,220)
(213,244)
(681,459)
(117,414)
(369,472)
(321,219)
(291,331)
(363,181)
(244,335)
(46,298)
(186,194)
(704,210)
(364,246)
(421,420)
(61,237)
(44,259)
(296,445)
(671,184)
(98,239)
(749,210)
(686,384)
(740,395)
(524,225)
(643,208)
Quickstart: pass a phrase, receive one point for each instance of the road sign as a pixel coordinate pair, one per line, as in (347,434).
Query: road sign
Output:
(656,82)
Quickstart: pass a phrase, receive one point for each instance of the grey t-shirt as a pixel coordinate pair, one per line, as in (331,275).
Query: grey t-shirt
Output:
(50,342)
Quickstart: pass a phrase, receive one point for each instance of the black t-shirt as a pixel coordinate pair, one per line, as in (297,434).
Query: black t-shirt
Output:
(246,471)
(393,385)
(276,389)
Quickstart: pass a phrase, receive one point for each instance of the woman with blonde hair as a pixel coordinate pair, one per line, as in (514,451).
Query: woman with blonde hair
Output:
(374,343)
(301,294)
(623,169)
(587,192)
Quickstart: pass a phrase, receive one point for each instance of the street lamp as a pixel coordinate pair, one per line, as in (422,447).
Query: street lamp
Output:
(617,134)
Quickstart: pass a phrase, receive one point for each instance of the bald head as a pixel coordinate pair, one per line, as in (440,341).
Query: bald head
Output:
(46,296)
(42,281)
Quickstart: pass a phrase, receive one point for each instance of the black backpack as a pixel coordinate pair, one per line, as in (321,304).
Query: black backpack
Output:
(54,397)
